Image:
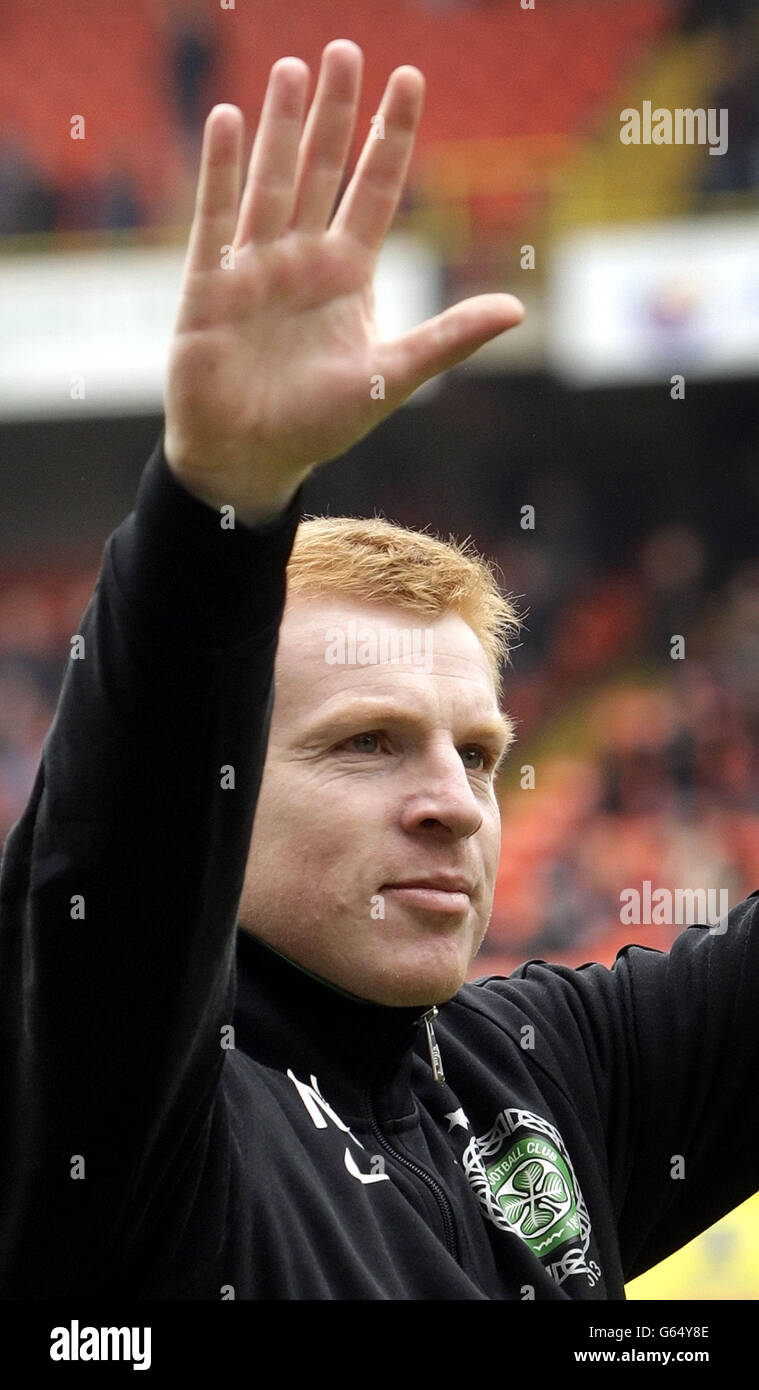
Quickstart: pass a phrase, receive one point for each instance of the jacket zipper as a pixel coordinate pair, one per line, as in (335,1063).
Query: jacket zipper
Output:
(446,1210)
(451,1241)
(436,1061)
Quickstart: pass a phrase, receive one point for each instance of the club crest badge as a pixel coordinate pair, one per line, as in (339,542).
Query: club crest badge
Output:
(525,1183)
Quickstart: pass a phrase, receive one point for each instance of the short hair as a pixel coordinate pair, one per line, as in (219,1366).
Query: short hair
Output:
(378,561)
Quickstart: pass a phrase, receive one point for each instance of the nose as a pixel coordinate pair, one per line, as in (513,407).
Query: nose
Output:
(442,796)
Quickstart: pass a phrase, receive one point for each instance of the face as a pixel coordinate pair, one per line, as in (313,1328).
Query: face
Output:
(378,775)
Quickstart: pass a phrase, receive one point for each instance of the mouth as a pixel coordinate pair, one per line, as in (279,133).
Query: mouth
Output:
(432,895)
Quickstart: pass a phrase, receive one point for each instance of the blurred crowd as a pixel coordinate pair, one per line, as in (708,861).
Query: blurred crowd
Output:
(31,202)
(737,92)
(192,60)
(111,200)
(645,751)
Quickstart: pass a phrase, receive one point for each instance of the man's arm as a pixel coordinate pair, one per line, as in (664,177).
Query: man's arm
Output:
(120,884)
(693,1050)
(660,1057)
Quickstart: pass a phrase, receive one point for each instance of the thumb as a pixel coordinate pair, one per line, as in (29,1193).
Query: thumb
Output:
(448,338)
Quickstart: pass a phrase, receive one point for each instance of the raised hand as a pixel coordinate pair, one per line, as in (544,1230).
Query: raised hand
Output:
(275,344)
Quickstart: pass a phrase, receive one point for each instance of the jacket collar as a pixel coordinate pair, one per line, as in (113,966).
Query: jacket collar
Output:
(289,1019)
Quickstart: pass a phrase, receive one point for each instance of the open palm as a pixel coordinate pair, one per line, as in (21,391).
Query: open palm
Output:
(276,350)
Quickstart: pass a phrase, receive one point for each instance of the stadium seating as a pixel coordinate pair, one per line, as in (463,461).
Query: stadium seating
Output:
(538,78)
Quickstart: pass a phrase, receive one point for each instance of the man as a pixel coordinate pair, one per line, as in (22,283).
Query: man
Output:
(193,1110)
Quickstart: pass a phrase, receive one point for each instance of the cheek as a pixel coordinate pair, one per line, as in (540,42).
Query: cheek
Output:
(311,825)
(491,843)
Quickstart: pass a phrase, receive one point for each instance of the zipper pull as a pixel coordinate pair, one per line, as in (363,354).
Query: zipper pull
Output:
(432,1043)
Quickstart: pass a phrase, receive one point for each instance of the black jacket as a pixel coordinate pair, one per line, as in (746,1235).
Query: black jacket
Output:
(590,1121)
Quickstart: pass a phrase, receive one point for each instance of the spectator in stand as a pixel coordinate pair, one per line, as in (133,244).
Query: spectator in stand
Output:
(191,50)
(121,207)
(27,201)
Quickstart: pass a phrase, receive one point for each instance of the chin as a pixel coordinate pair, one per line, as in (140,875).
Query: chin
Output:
(422,998)
(419,986)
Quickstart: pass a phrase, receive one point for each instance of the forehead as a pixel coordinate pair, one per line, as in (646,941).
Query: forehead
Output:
(333,648)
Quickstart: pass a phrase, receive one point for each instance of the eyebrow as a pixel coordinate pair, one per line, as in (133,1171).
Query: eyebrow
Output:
(497,730)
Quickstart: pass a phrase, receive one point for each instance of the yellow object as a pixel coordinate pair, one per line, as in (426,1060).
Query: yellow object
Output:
(722,1263)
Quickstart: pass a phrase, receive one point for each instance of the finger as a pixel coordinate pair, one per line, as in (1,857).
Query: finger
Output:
(328,134)
(372,196)
(441,342)
(267,202)
(218,194)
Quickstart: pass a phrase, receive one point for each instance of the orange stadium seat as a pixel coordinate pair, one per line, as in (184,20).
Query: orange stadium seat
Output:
(492,72)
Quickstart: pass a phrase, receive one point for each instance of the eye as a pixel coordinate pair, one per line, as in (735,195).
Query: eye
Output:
(487,759)
(370,734)
(370,740)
